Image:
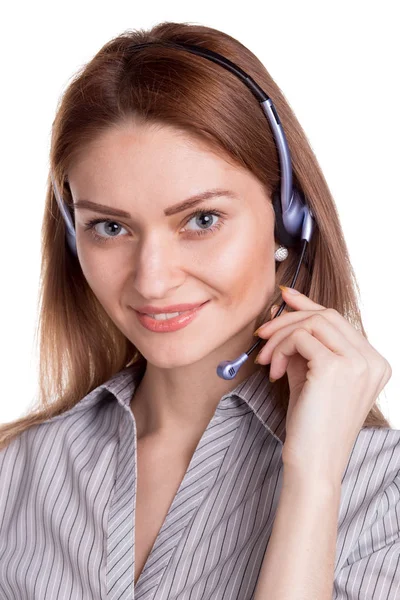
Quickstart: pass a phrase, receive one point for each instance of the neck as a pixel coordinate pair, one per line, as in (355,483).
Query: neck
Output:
(182,400)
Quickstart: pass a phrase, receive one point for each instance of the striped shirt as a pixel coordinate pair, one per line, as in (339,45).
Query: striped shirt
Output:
(68,496)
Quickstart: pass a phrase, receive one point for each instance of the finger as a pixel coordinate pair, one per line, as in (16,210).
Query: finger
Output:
(320,328)
(302,302)
(298,300)
(284,326)
(274,310)
(285,318)
(357,339)
(300,342)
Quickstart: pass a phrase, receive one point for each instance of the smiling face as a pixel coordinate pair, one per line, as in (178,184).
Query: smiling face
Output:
(150,258)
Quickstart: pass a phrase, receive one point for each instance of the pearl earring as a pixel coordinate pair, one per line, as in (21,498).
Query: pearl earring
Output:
(281,253)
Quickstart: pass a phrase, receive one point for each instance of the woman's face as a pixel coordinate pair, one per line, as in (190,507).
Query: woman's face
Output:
(150,258)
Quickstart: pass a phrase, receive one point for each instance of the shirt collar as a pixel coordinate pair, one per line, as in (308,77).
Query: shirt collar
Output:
(256,393)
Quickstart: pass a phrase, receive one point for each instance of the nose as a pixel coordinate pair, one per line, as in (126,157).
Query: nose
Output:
(159,268)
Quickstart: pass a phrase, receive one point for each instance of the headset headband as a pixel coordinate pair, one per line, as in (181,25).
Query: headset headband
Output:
(294,218)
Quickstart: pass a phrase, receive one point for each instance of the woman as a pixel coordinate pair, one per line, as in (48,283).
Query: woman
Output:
(142,473)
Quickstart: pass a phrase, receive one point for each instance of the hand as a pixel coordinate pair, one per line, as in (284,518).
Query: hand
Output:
(334,375)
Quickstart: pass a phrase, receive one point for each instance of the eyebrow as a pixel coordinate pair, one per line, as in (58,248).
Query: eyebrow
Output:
(172,210)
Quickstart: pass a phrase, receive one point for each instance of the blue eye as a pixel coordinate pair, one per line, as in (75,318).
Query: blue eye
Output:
(202,213)
(100,238)
(90,225)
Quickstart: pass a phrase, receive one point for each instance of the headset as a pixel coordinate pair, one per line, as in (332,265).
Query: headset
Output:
(294,221)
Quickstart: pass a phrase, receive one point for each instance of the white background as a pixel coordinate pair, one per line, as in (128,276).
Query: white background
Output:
(336,63)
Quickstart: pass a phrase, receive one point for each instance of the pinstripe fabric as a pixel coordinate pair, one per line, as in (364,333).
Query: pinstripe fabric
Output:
(67,505)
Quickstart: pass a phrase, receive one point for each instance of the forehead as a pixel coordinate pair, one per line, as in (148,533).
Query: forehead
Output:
(153,160)
(163,143)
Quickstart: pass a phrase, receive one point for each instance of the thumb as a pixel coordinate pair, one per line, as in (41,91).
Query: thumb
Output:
(274,310)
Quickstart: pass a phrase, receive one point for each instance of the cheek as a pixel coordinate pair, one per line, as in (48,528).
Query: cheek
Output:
(103,279)
(243,267)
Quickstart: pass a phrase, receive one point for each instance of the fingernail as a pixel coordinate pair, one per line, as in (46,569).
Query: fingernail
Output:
(272,380)
(285,288)
(257,359)
(274,307)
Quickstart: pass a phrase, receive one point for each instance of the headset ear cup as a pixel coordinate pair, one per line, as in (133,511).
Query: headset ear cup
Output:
(71,241)
(281,235)
(70,232)
(68,218)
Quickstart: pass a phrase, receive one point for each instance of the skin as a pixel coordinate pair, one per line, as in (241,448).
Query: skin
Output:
(159,260)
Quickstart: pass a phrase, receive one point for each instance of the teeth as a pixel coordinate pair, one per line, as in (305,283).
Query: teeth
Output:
(163,316)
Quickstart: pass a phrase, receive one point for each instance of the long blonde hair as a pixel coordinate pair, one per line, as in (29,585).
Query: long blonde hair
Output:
(79,346)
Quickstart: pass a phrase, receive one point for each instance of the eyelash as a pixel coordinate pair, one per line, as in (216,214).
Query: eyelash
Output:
(89,225)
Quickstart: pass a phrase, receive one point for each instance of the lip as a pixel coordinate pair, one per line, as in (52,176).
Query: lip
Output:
(153,310)
(168,325)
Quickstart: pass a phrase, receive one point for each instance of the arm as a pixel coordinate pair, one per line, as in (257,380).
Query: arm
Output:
(300,558)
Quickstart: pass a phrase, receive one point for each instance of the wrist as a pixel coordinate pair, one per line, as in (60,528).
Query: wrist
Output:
(303,481)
